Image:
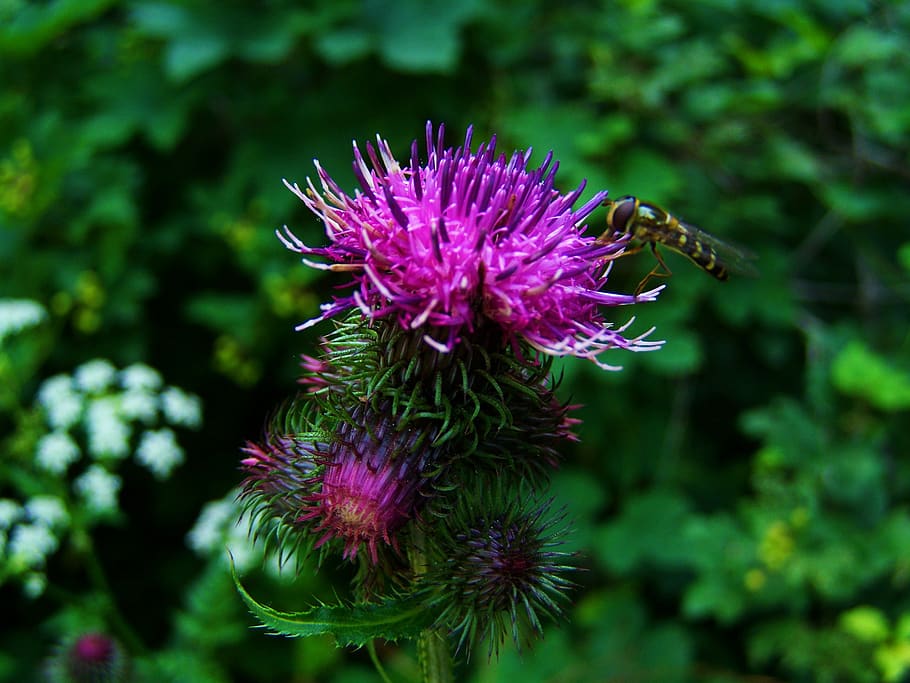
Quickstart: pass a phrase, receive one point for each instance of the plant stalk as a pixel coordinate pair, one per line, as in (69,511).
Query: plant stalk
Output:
(433,650)
(435,656)
(99,581)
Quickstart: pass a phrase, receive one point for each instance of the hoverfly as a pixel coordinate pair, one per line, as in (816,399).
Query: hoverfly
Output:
(649,224)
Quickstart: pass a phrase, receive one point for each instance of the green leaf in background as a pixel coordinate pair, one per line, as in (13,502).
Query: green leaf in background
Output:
(583,498)
(903,256)
(343,45)
(420,36)
(648,531)
(199,37)
(866,623)
(26,27)
(628,644)
(172,666)
(858,371)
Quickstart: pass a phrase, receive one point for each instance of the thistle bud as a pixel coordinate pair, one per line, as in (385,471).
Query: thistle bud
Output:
(499,569)
(90,658)
(369,483)
(358,484)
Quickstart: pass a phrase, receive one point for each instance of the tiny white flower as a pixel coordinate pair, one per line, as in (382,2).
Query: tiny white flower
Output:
(56,452)
(10,512)
(34,585)
(208,533)
(159,451)
(98,488)
(30,544)
(47,510)
(140,377)
(64,413)
(18,314)
(54,387)
(139,404)
(108,434)
(61,402)
(219,525)
(181,408)
(95,376)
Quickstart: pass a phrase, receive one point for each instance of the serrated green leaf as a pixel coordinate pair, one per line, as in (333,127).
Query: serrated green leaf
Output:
(356,624)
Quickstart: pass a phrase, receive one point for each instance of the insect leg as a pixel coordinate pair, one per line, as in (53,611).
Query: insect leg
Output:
(660,270)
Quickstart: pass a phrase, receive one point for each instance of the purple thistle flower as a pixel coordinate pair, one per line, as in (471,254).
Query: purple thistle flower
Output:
(465,238)
(358,483)
(369,485)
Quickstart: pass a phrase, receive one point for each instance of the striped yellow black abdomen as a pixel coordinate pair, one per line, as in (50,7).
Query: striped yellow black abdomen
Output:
(688,241)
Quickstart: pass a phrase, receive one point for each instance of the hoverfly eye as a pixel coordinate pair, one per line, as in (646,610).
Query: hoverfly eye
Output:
(622,213)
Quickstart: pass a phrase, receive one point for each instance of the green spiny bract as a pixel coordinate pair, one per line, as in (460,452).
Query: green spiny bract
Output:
(496,567)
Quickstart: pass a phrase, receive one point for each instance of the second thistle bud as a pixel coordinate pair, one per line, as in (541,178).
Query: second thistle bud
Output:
(499,568)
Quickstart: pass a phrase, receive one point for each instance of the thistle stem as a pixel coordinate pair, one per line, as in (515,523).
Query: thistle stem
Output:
(99,581)
(433,650)
(435,657)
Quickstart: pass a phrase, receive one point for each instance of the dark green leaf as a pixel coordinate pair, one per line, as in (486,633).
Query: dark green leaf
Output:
(354,624)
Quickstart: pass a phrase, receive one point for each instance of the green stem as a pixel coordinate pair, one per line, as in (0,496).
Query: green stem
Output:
(99,580)
(371,648)
(435,657)
(433,650)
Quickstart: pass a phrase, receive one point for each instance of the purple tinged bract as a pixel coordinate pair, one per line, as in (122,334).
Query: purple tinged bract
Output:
(466,239)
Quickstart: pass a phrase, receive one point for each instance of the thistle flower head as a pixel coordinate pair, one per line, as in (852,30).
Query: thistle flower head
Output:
(467,237)
(369,485)
(501,568)
(358,484)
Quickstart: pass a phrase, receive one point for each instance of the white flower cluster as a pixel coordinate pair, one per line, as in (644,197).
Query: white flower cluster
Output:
(28,535)
(112,407)
(221,528)
(19,314)
(101,416)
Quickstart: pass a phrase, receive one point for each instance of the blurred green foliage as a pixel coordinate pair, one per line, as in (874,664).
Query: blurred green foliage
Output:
(741,496)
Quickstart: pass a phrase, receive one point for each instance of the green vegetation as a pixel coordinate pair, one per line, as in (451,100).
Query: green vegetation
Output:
(742,497)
